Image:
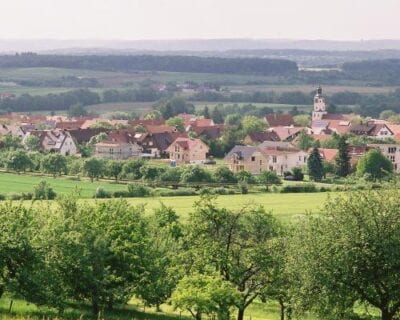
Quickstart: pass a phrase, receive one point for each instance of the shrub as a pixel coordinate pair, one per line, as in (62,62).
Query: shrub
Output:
(120,194)
(136,190)
(101,193)
(243,187)
(43,191)
(176,193)
(298,188)
(2,197)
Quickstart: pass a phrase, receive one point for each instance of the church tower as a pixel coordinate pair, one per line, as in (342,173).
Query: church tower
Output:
(319,105)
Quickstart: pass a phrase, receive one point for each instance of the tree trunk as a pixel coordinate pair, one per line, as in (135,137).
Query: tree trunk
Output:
(11,305)
(386,315)
(158,307)
(240,315)
(95,306)
(282,307)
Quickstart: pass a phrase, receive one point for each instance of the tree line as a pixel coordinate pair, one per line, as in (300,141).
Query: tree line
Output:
(129,63)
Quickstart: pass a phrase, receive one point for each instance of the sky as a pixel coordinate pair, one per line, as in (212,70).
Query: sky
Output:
(200,19)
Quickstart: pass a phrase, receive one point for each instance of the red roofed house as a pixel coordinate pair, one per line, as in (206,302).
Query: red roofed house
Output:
(187,150)
(279,119)
(259,137)
(287,133)
(328,155)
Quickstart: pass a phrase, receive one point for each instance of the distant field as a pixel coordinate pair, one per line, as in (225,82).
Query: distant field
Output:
(105,108)
(328,89)
(275,106)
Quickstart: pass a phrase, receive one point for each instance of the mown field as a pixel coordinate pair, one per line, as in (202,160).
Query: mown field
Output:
(287,207)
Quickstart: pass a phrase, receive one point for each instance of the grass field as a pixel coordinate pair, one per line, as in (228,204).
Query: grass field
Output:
(14,183)
(285,206)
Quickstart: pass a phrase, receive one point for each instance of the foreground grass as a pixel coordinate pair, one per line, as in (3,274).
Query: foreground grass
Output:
(22,310)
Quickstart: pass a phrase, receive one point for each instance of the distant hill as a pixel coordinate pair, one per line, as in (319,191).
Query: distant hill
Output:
(70,46)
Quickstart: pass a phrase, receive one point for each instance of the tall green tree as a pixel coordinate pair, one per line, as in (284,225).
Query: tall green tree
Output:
(374,165)
(315,165)
(162,267)
(216,115)
(98,250)
(236,244)
(343,158)
(348,255)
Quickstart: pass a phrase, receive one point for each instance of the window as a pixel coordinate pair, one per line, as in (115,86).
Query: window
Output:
(392,158)
(392,150)
(274,159)
(260,162)
(253,158)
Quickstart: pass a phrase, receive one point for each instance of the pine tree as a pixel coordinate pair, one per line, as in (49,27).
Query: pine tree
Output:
(315,166)
(343,158)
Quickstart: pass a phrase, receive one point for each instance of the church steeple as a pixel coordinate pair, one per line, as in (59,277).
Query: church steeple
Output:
(319,105)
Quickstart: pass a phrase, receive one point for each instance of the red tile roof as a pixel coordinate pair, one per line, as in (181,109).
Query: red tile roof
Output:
(277,119)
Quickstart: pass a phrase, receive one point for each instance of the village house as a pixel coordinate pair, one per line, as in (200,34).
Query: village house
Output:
(15,131)
(287,133)
(246,158)
(58,141)
(119,145)
(379,131)
(155,145)
(278,157)
(188,150)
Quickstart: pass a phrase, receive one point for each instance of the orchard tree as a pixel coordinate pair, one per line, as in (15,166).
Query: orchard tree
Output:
(374,165)
(238,245)
(114,169)
(205,294)
(93,168)
(18,161)
(224,175)
(98,250)
(305,141)
(347,255)
(162,266)
(54,163)
(268,178)
(315,165)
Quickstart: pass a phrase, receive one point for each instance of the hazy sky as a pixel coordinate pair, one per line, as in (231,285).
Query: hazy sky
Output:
(175,19)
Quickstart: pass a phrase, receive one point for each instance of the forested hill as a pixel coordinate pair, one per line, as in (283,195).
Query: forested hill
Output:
(153,63)
(385,71)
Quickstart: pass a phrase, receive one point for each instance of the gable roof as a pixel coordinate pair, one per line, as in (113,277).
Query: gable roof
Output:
(241,152)
(259,137)
(328,154)
(279,119)
(285,133)
(187,143)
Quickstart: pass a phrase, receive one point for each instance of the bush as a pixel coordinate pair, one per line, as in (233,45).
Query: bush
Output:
(136,190)
(101,193)
(298,188)
(176,193)
(120,194)
(21,196)
(43,191)
(243,187)
(2,197)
